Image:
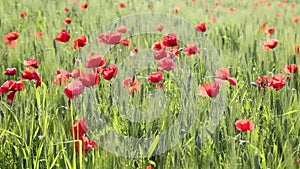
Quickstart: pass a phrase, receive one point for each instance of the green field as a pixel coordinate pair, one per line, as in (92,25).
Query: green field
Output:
(145,123)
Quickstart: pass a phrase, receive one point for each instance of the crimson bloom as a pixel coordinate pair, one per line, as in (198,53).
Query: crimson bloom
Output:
(160,54)
(125,42)
(10,38)
(222,75)
(149,167)
(10,71)
(155,77)
(156,46)
(277,82)
(134,51)
(209,89)
(263,81)
(11,87)
(191,49)
(32,75)
(60,79)
(270,44)
(75,73)
(244,125)
(67,20)
(123,29)
(201,27)
(86,145)
(23,14)
(89,79)
(95,60)
(109,72)
(170,40)
(122,5)
(166,64)
(132,84)
(263,26)
(159,27)
(73,89)
(31,63)
(79,128)
(297,49)
(110,38)
(38,34)
(63,36)
(84,5)
(270,31)
(290,69)
(79,42)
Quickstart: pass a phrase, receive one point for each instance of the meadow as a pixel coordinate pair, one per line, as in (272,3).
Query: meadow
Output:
(149,84)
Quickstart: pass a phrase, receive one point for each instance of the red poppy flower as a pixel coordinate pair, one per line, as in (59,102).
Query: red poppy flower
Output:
(157,46)
(89,79)
(170,40)
(67,20)
(173,52)
(263,81)
(155,77)
(166,64)
(175,10)
(222,75)
(10,71)
(210,89)
(263,26)
(12,87)
(38,34)
(134,51)
(270,44)
(7,86)
(79,128)
(159,27)
(63,36)
(231,9)
(79,42)
(32,75)
(109,72)
(297,49)
(213,19)
(122,5)
(160,54)
(66,9)
(132,84)
(10,38)
(23,14)
(86,145)
(277,82)
(270,31)
(84,5)
(95,60)
(191,49)
(296,20)
(74,89)
(75,73)
(217,3)
(244,125)
(125,42)
(110,38)
(201,27)
(31,63)
(298,160)
(292,68)
(61,79)
(123,29)
(149,167)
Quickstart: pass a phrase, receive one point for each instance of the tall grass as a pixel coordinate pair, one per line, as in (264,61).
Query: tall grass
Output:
(35,127)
